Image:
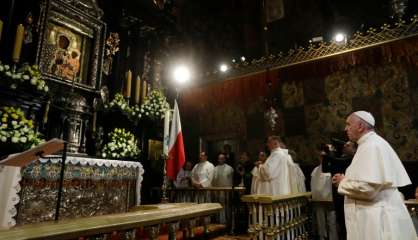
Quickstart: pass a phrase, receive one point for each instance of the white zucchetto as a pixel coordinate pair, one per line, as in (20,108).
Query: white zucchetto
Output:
(365,116)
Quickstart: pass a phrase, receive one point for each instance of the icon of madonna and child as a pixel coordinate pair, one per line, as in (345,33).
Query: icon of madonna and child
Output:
(64,53)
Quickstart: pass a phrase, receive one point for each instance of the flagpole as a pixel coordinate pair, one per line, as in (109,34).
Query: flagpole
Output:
(164,198)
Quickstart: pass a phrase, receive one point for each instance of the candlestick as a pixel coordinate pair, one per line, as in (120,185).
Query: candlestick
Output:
(20,32)
(166,131)
(128,84)
(1,28)
(137,89)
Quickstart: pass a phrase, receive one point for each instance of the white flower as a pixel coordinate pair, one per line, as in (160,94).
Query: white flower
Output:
(23,139)
(33,81)
(15,139)
(3,139)
(26,77)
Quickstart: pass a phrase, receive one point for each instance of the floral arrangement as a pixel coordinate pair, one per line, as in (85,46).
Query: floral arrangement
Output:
(122,145)
(155,105)
(27,74)
(15,129)
(119,102)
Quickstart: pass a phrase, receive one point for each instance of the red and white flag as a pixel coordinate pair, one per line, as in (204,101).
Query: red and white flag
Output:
(176,156)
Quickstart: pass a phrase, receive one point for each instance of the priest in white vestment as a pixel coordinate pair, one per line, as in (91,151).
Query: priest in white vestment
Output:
(223,174)
(324,214)
(255,182)
(373,205)
(274,173)
(296,176)
(202,173)
(183,179)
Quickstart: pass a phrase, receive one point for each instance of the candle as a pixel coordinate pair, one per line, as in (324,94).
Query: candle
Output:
(137,89)
(20,32)
(94,121)
(1,28)
(128,83)
(144,90)
(166,131)
(45,118)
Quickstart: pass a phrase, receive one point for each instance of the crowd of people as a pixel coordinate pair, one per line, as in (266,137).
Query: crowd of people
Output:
(360,177)
(274,174)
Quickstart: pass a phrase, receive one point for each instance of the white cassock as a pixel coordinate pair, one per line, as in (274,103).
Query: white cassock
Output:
(183,179)
(255,181)
(296,176)
(203,173)
(321,188)
(274,174)
(223,176)
(373,206)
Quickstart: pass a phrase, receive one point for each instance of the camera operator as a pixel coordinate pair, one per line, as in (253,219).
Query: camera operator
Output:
(336,157)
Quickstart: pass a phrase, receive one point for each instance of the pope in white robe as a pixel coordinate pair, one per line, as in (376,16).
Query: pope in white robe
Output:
(321,188)
(202,173)
(373,205)
(274,172)
(223,174)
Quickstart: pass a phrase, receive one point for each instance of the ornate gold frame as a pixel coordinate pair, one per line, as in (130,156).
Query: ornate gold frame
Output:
(88,26)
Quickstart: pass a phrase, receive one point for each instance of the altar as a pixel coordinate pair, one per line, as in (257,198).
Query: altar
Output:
(91,187)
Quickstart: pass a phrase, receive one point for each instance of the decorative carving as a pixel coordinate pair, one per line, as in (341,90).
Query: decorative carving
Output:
(89,6)
(322,50)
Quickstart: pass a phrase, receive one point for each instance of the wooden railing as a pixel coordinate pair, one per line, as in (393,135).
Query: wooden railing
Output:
(121,226)
(278,217)
(228,197)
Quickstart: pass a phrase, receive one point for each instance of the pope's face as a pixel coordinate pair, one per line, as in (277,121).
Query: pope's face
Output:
(353,128)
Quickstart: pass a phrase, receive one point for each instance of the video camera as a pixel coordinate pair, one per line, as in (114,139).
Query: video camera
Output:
(334,160)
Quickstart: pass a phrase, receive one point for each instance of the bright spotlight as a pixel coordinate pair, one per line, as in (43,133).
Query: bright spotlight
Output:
(339,37)
(233,60)
(181,74)
(223,67)
(242,58)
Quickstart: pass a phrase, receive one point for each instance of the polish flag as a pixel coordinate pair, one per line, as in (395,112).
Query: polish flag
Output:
(176,156)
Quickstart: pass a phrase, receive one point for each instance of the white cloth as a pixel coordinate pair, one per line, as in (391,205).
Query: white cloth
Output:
(10,183)
(321,185)
(183,179)
(223,176)
(255,181)
(296,177)
(373,206)
(274,174)
(203,173)
(9,197)
(325,218)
